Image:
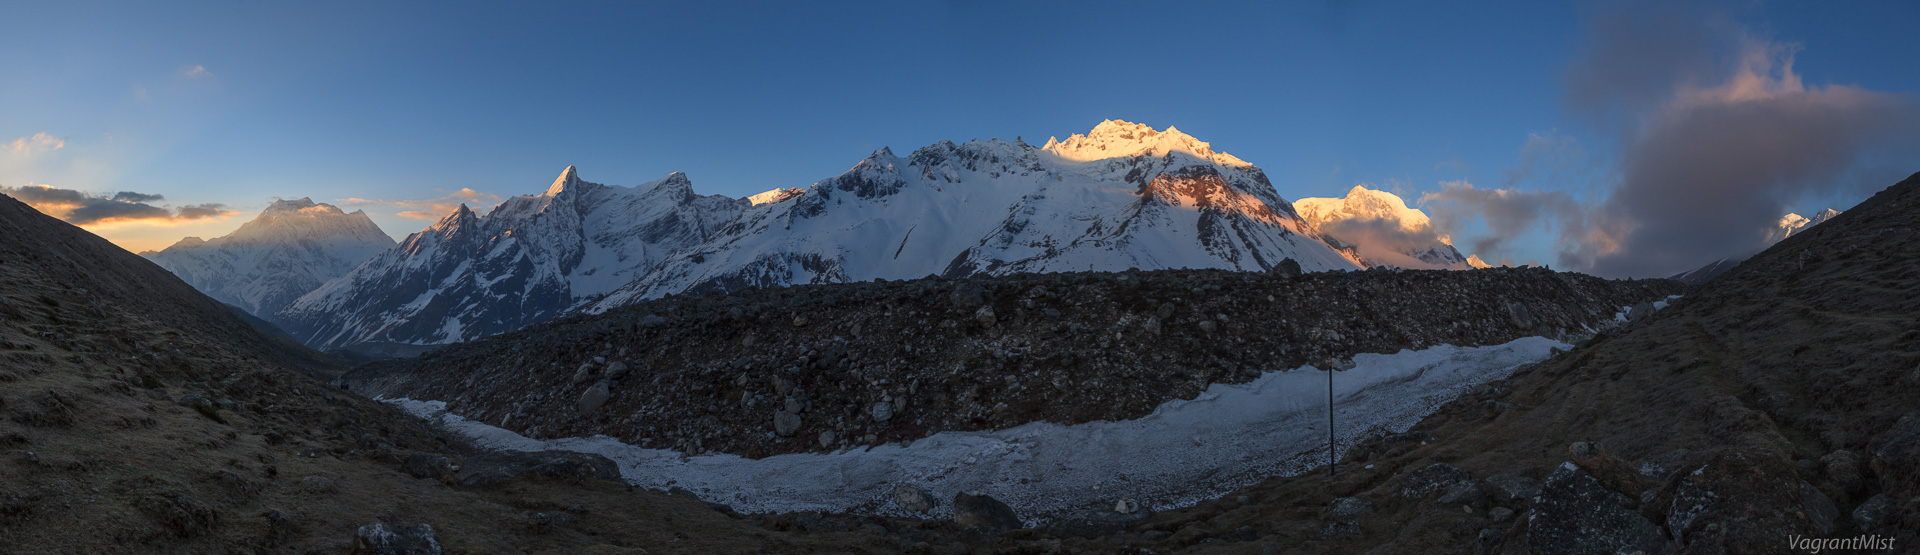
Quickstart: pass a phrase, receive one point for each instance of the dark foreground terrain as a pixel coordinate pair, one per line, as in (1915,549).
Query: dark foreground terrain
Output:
(771,371)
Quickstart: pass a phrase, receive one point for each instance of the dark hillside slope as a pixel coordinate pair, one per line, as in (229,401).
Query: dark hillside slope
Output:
(1780,400)
(138,416)
(86,271)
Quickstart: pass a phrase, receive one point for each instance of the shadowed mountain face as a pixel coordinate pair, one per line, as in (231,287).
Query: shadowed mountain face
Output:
(531,259)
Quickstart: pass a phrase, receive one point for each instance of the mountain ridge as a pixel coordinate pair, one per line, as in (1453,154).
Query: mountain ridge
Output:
(292,247)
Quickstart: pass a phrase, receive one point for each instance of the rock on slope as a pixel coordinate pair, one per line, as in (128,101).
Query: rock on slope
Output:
(530,259)
(768,371)
(1122,196)
(289,249)
(1777,401)
(1376,228)
(138,415)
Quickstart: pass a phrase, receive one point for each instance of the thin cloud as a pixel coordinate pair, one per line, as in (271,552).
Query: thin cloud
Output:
(1508,214)
(82,209)
(430,208)
(130,196)
(39,143)
(195,72)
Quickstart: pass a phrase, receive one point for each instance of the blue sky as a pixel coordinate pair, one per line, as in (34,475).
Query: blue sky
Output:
(241,103)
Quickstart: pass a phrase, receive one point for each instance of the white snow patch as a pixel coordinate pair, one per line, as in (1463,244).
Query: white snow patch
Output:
(1186,451)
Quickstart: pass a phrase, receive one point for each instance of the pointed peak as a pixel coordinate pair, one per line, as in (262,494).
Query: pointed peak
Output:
(676,183)
(568,178)
(882,152)
(458,216)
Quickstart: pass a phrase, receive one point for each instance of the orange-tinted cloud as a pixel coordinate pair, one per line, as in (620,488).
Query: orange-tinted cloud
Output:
(429,209)
(39,143)
(82,209)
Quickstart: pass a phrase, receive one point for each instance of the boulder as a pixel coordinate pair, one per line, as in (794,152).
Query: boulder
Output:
(1743,501)
(985,317)
(427,465)
(380,539)
(595,397)
(1434,478)
(617,370)
(1347,508)
(1508,488)
(1896,454)
(785,423)
(1465,493)
(1575,514)
(1820,509)
(881,411)
(981,511)
(913,499)
(967,295)
(1639,312)
(1873,513)
(1613,473)
(493,468)
(1287,268)
(1844,469)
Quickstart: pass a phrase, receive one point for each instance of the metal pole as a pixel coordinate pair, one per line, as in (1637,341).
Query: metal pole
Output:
(1330,455)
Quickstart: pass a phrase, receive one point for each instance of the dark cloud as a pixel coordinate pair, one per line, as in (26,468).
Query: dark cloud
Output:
(41,195)
(1710,177)
(130,196)
(1716,135)
(202,211)
(1508,213)
(1635,53)
(80,208)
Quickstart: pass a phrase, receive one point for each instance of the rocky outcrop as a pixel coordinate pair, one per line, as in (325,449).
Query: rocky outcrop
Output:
(1575,514)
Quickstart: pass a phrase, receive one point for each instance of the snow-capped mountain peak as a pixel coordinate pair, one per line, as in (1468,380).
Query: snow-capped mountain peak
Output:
(1123,195)
(775,195)
(531,258)
(1120,139)
(1791,224)
(291,247)
(568,179)
(1377,228)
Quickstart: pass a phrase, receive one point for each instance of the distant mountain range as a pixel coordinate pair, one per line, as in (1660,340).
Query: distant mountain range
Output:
(291,248)
(531,259)
(1121,196)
